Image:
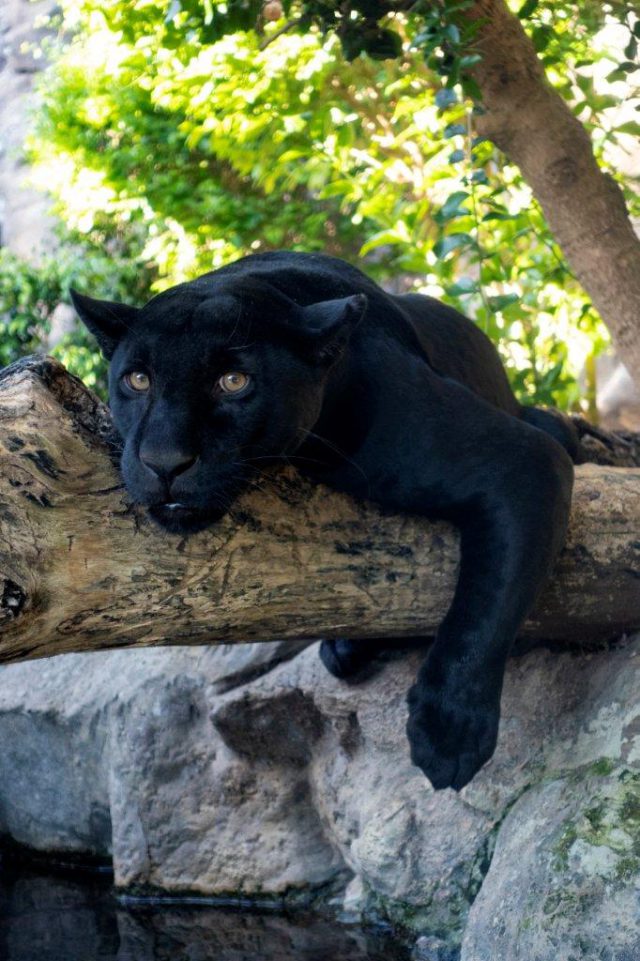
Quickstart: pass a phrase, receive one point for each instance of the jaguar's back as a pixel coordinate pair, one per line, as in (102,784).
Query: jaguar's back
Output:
(451,343)
(455,347)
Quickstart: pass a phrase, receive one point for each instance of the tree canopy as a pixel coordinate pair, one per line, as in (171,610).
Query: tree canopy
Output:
(177,136)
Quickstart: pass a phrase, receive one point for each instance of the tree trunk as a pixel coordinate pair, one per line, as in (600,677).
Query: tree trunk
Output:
(584,206)
(82,570)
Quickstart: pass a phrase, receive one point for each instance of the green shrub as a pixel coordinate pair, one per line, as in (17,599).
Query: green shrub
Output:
(169,131)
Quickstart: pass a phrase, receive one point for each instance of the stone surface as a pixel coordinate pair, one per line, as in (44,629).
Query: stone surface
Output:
(250,772)
(24,224)
(56,720)
(564,882)
(618,398)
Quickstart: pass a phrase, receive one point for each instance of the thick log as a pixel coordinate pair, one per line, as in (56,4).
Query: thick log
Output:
(81,569)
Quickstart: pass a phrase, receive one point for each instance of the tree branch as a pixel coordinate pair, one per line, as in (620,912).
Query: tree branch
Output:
(584,206)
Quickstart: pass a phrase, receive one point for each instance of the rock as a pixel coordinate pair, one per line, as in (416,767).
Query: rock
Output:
(189,815)
(249,772)
(25,226)
(56,718)
(618,398)
(429,948)
(564,881)
(62,322)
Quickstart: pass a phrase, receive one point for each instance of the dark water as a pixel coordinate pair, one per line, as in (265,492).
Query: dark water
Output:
(76,918)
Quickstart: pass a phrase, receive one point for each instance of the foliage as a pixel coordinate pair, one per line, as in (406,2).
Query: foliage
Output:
(194,139)
(27,298)
(29,295)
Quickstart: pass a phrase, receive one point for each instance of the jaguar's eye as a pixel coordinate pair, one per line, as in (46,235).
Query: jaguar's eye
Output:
(137,381)
(233,382)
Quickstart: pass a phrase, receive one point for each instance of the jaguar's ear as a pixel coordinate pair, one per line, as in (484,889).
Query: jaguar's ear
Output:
(107,320)
(329,324)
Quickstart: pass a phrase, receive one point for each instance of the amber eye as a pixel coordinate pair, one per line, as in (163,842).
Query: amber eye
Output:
(233,382)
(137,381)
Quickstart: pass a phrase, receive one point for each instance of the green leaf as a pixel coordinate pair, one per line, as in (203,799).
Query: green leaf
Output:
(452,242)
(527,8)
(585,83)
(541,36)
(451,207)
(470,60)
(381,240)
(631,126)
(338,188)
(471,88)
(624,68)
(452,33)
(501,301)
(456,156)
(464,285)
(445,97)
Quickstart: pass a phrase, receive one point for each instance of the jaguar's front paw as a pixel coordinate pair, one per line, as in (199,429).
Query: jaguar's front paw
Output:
(344,658)
(450,738)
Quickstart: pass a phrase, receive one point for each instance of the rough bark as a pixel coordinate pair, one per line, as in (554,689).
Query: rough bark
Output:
(620,448)
(583,205)
(81,569)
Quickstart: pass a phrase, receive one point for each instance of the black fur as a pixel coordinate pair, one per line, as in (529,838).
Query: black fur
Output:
(397,399)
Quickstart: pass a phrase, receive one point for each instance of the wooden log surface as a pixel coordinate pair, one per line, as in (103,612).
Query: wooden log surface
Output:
(81,569)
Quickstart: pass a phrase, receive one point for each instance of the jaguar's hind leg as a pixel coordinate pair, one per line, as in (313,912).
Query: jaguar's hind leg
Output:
(345,659)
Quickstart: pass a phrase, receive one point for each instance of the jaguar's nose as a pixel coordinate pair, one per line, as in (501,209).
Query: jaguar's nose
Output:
(167,463)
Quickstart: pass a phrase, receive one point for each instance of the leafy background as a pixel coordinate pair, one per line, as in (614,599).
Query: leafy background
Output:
(175,137)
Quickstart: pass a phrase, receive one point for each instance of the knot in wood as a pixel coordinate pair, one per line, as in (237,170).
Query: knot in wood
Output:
(564,172)
(12,599)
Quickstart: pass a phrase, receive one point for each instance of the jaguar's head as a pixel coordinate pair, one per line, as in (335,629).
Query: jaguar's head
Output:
(207,384)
